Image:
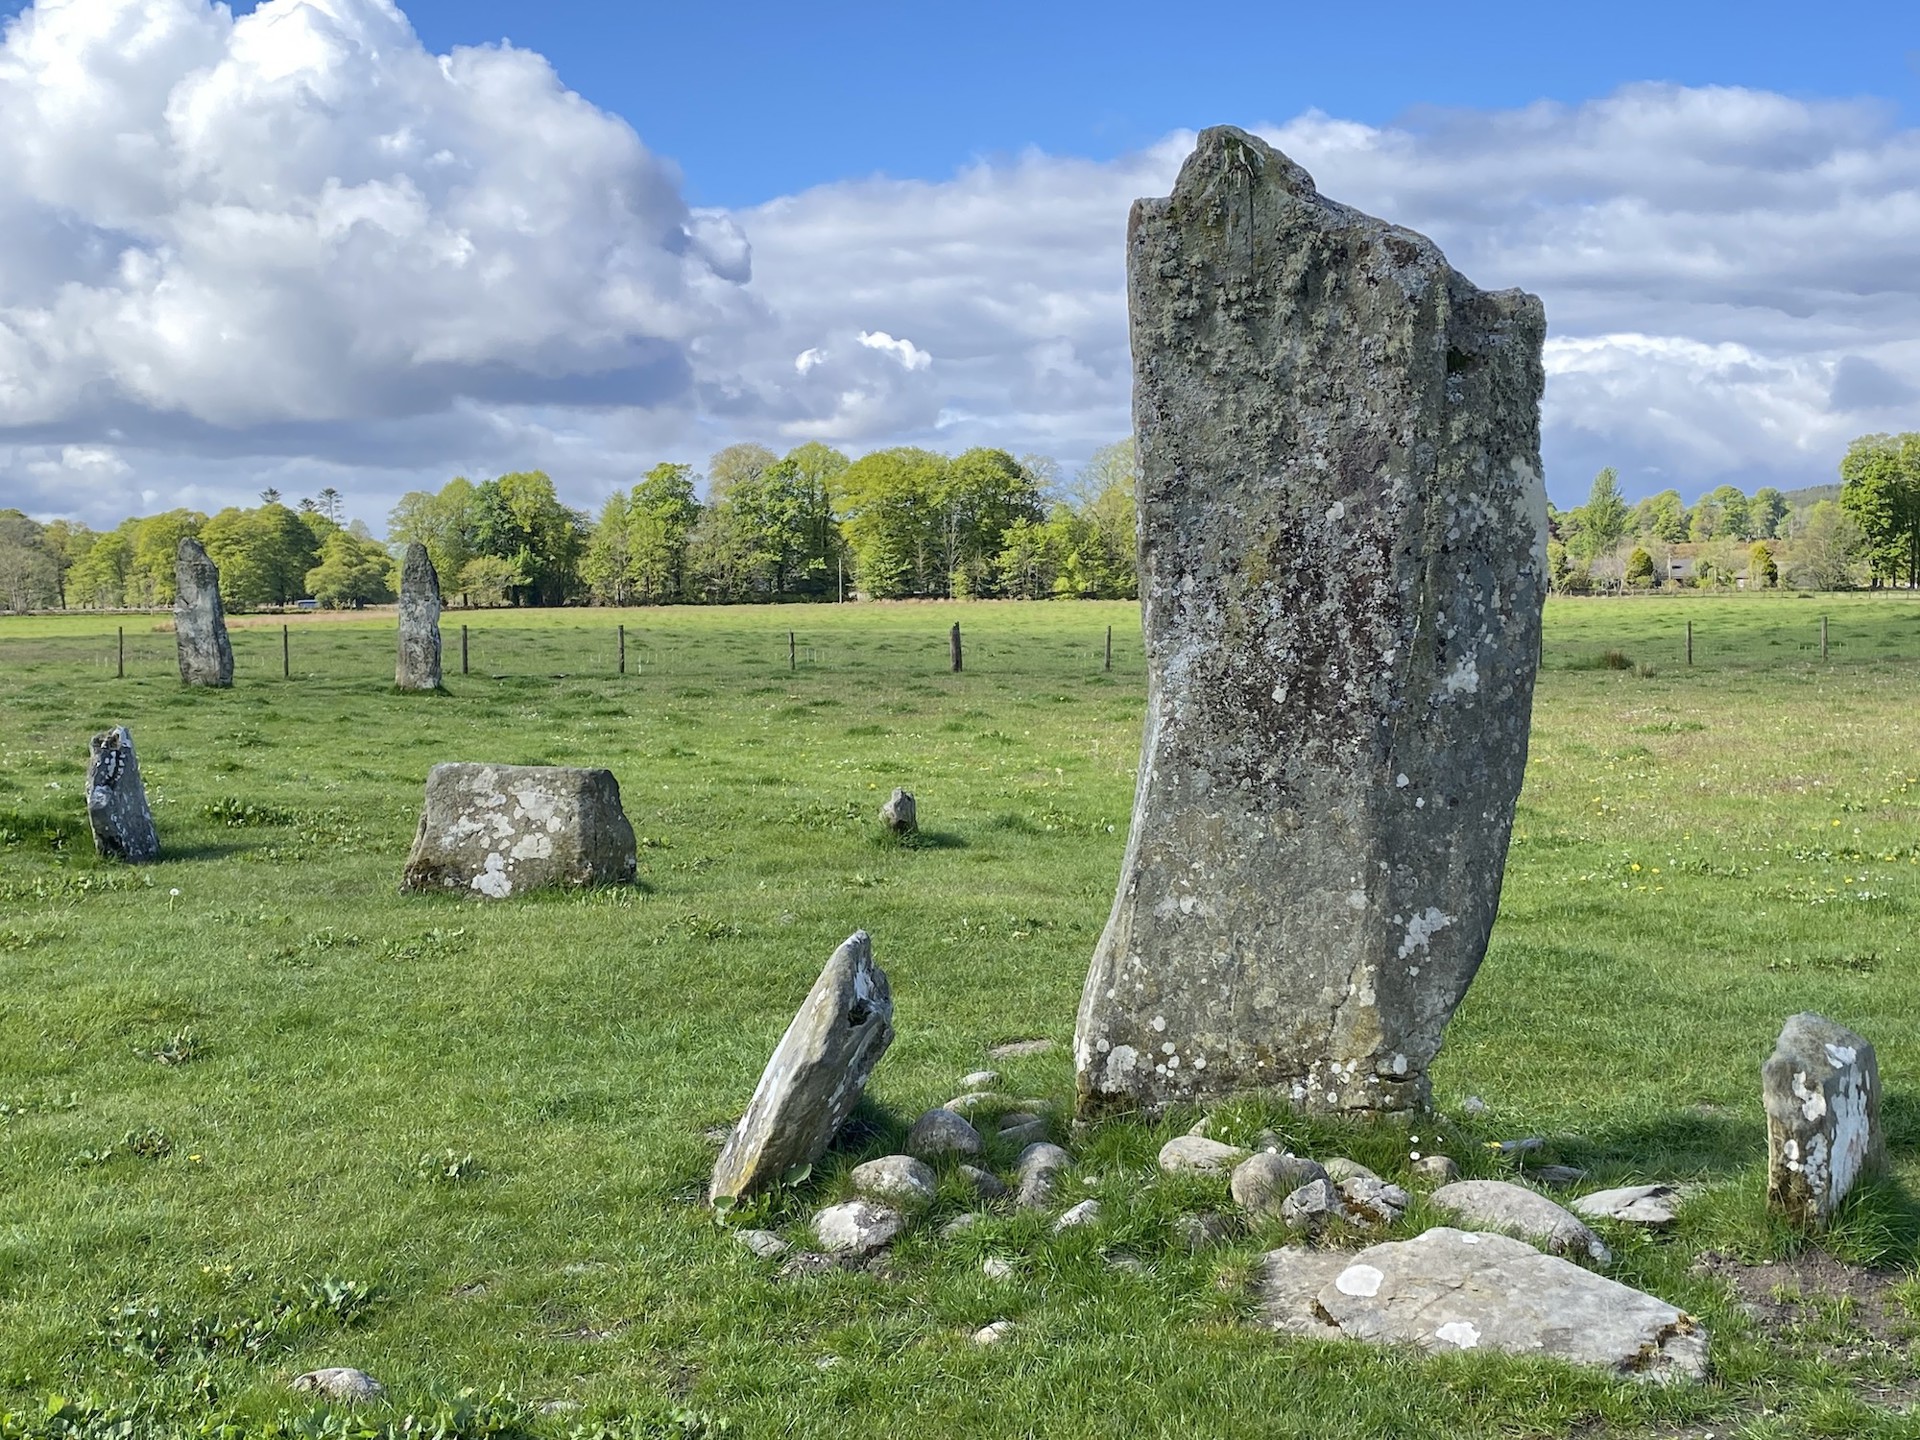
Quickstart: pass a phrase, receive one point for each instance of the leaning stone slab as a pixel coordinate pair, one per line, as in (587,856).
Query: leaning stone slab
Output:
(1821,1086)
(1450,1290)
(1514,1207)
(815,1076)
(1343,559)
(117,806)
(418,665)
(501,830)
(199,622)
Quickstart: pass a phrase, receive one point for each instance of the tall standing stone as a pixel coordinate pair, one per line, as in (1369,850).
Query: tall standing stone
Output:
(815,1077)
(1343,559)
(117,807)
(418,667)
(199,624)
(1821,1087)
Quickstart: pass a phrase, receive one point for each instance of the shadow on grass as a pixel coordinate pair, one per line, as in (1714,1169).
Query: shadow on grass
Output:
(178,851)
(920,840)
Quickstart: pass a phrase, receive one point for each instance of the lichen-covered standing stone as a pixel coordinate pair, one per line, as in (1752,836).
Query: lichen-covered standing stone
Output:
(1821,1087)
(117,800)
(499,830)
(1343,558)
(418,667)
(815,1077)
(199,623)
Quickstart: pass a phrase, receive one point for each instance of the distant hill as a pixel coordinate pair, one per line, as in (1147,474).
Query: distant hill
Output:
(1811,495)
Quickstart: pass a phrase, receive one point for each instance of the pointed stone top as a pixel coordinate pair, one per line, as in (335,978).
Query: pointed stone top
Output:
(417,572)
(1224,148)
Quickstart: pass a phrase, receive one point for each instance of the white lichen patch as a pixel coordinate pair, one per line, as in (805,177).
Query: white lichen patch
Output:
(1463,679)
(1460,1333)
(494,880)
(1359,1280)
(1422,928)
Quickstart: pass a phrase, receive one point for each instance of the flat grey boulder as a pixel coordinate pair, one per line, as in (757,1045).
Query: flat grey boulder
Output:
(199,620)
(1649,1205)
(1261,1183)
(942,1132)
(1499,1205)
(763,1243)
(117,809)
(1037,1175)
(498,830)
(1019,1049)
(1197,1155)
(858,1227)
(899,1178)
(1342,525)
(1434,1170)
(417,666)
(814,1078)
(1821,1087)
(1450,1290)
(339,1382)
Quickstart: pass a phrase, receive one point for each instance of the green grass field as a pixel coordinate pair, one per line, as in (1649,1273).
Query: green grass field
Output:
(260,1113)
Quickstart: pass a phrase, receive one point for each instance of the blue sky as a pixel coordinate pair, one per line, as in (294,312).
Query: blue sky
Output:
(323,242)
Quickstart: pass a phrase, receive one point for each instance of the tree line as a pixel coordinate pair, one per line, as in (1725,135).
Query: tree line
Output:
(814,524)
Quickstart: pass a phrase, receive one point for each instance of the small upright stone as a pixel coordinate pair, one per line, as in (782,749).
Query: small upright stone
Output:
(199,623)
(815,1077)
(117,801)
(1037,1174)
(418,667)
(500,830)
(942,1132)
(1343,558)
(1821,1086)
(900,814)
(1261,1183)
(897,1178)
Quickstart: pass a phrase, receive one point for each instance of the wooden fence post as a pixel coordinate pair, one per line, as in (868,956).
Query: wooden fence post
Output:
(953,644)
(463,649)
(1109,664)
(286,654)
(623,649)
(120,661)
(1823,637)
(1689,642)
(792,662)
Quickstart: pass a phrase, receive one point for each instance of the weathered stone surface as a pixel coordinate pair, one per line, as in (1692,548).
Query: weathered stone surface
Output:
(199,622)
(764,1243)
(858,1227)
(1369,1202)
(1261,1183)
(899,1178)
(900,814)
(942,1132)
(1435,1170)
(1202,1231)
(959,1225)
(1649,1205)
(993,1334)
(1343,558)
(1449,1290)
(1019,1049)
(1086,1212)
(418,666)
(499,830)
(1037,1175)
(1197,1155)
(1030,1129)
(1514,1207)
(117,807)
(816,1074)
(1312,1205)
(1821,1086)
(1340,1168)
(339,1382)
(980,1080)
(985,1184)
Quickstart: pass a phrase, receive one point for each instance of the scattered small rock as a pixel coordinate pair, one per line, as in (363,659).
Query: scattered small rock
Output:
(980,1080)
(1127,1264)
(858,1227)
(986,1185)
(964,1105)
(1503,1206)
(1197,1155)
(900,814)
(1019,1119)
(1373,1202)
(1037,1174)
(1195,1233)
(896,1177)
(800,1264)
(1435,1170)
(1340,1168)
(943,1132)
(1087,1212)
(1649,1205)
(1013,1049)
(1560,1177)
(1474,1105)
(1311,1206)
(339,1382)
(1203,1127)
(993,1334)
(959,1225)
(764,1243)
(1261,1183)
(1025,1134)
(1524,1145)
(995,1268)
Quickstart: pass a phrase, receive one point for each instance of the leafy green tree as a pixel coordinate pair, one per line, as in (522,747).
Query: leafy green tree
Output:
(1661,517)
(351,572)
(980,493)
(1639,572)
(263,554)
(98,580)
(890,502)
(1763,572)
(660,518)
(735,465)
(1880,491)
(28,575)
(491,579)
(442,521)
(1028,562)
(519,518)
(606,567)
(1722,514)
(1826,549)
(156,547)
(1603,519)
(1768,509)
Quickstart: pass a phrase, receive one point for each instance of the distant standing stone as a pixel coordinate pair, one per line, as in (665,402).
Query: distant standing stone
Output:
(900,814)
(815,1077)
(117,801)
(199,623)
(1343,558)
(1821,1086)
(500,830)
(418,667)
